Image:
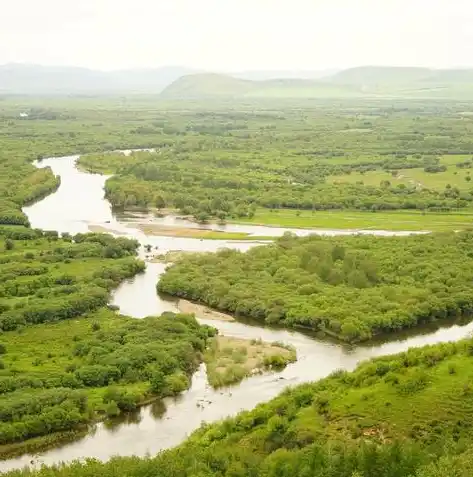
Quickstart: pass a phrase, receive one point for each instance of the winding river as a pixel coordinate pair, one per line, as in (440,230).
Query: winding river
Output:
(79,204)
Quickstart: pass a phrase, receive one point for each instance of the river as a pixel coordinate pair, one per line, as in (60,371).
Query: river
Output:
(79,204)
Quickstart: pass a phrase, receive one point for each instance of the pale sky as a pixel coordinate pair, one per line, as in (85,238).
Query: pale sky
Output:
(232,35)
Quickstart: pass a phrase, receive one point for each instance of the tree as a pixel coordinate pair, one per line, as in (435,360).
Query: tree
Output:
(159,202)
(9,244)
(157,382)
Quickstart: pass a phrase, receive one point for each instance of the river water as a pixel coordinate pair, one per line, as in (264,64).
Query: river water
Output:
(79,204)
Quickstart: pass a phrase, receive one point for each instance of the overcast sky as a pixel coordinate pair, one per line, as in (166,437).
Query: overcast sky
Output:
(234,35)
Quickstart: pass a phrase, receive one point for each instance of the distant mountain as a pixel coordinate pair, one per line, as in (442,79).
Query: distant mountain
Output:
(407,81)
(176,82)
(262,75)
(366,81)
(379,75)
(216,85)
(35,79)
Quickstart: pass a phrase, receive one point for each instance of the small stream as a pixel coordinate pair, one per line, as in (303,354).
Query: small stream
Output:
(78,204)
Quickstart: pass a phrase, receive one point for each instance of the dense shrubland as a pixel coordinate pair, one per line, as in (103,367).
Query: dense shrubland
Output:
(57,377)
(65,360)
(226,165)
(353,287)
(58,373)
(226,160)
(46,278)
(210,185)
(408,415)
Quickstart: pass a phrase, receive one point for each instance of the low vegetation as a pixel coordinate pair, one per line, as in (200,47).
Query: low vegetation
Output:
(45,278)
(65,359)
(230,360)
(374,422)
(240,165)
(62,376)
(353,287)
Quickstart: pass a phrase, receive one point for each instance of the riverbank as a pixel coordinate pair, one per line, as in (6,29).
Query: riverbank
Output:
(182,232)
(149,432)
(202,311)
(230,360)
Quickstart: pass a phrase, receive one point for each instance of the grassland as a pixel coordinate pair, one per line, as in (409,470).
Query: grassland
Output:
(399,416)
(230,360)
(453,176)
(356,220)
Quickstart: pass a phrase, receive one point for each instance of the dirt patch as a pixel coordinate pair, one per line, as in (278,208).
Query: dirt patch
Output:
(188,232)
(102,229)
(201,311)
(230,360)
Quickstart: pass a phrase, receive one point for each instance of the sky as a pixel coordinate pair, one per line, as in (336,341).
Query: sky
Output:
(236,35)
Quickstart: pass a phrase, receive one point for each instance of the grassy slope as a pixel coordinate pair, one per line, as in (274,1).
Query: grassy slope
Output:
(420,399)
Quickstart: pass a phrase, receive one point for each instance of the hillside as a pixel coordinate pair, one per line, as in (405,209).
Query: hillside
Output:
(36,79)
(374,422)
(216,85)
(355,82)
(380,75)
(208,84)
(176,82)
(385,75)
(407,81)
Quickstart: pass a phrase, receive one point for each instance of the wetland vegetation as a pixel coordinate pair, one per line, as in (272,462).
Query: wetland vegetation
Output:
(377,421)
(230,360)
(67,359)
(353,287)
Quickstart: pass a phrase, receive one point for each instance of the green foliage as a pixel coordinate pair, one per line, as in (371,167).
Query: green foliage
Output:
(346,425)
(227,164)
(353,287)
(44,278)
(62,375)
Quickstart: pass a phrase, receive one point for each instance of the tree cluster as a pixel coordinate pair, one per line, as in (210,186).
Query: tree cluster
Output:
(353,287)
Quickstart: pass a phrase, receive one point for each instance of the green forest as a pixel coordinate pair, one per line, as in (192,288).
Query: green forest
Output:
(44,278)
(68,359)
(231,164)
(65,359)
(353,287)
(400,416)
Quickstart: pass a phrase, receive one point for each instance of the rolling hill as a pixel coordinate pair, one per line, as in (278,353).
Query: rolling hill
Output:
(215,85)
(176,82)
(36,79)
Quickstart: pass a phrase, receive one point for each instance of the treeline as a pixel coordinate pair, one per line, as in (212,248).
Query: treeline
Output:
(374,422)
(353,287)
(127,360)
(20,185)
(46,278)
(223,184)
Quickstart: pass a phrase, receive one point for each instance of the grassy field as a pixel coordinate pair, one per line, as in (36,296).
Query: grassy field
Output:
(230,360)
(454,176)
(342,219)
(47,350)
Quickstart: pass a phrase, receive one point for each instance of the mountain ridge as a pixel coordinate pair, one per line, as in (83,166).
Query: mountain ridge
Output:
(180,82)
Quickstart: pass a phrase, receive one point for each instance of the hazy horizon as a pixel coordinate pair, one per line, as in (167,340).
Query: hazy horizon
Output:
(230,72)
(238,35)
